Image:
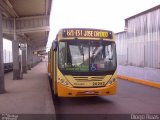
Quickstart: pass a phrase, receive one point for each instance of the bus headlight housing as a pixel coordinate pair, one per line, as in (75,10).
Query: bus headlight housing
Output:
(112,80)
(64,82)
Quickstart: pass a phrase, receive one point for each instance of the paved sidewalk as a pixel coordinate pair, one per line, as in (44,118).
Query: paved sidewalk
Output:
(146,76)
(30,95)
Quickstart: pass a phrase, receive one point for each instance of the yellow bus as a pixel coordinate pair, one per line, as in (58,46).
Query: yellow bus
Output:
(83,62)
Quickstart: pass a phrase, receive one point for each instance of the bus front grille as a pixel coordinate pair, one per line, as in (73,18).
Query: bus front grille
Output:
(88,78)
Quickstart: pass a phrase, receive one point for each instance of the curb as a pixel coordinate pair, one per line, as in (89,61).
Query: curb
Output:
(140,81)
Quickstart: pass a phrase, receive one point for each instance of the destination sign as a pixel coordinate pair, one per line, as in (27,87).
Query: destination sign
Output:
(94,33)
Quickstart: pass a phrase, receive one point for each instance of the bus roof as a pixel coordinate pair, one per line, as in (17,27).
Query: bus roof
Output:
(84,33)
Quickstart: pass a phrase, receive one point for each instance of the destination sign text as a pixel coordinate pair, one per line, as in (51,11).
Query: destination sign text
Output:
(87,33)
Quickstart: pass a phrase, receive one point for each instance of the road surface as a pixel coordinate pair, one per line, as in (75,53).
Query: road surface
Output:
(131,98)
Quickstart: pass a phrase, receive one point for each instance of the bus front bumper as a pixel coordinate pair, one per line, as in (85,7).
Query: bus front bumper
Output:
(64,91)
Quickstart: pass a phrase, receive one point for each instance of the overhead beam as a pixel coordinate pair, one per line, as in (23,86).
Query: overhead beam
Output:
(7,9)
(26,24)
(32,30)
(32,22)
(46,7)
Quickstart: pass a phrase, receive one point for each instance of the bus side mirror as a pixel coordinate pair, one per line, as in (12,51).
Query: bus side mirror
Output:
(54,45)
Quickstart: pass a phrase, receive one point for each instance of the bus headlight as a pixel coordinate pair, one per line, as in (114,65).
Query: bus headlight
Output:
(112,81)
(64,82)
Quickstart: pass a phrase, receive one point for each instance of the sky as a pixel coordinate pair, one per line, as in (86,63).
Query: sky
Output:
(100,14)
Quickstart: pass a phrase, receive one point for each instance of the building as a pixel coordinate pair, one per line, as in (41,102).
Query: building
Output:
(139,45)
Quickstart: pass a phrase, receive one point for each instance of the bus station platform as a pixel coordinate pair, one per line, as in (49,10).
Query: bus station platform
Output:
(31,95)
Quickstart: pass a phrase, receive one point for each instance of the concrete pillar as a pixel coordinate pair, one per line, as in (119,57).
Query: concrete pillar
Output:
(16,57)
(31,57)
(34,59)
(20,63)
(16,60)
(28,57)
(2,86)
(32,65)
(24,59)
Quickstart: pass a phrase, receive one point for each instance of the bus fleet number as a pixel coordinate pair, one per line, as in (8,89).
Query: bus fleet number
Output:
(98,83)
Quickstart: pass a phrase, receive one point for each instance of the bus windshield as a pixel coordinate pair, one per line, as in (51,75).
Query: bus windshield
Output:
(87,56)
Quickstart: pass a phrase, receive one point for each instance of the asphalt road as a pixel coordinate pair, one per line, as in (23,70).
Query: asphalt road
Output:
(131,98)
